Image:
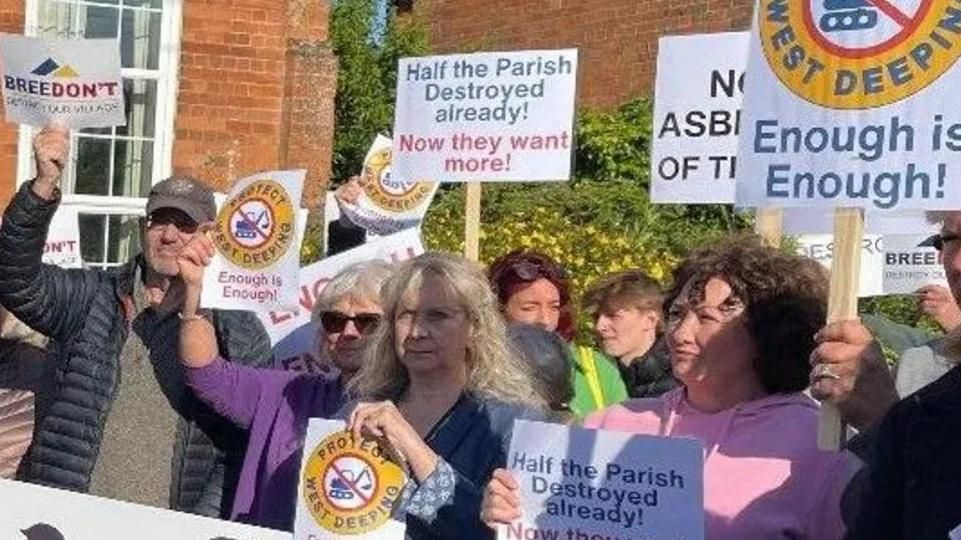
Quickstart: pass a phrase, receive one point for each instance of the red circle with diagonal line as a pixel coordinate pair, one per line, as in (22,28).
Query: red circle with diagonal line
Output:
(350,482)
(886,11)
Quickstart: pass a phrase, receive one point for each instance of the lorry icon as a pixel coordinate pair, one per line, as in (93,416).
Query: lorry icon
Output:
(848,15)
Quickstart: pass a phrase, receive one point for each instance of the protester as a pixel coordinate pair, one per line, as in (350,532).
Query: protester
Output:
(26,382)
(533,289)
(910,491)
(122,424)
(740,330)
(626,309)
(273,406)
(437,383)
(548,358)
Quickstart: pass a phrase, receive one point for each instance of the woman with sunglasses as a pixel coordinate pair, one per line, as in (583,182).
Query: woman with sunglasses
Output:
(533,289)
(274,405)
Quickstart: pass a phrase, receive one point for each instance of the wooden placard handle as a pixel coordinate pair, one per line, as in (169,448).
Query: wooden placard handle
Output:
(472,208)
(769,225)
(842,303)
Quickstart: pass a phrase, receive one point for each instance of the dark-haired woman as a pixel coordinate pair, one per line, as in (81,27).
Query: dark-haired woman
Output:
(741,330)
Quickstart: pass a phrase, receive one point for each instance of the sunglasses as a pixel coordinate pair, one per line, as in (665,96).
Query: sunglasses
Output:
(334,322)
(180,220)
(532,271)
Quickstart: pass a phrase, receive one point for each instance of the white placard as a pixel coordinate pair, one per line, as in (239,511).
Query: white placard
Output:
(852,104)
(76,83)
(62,247)
(348,487)
(292,332)
(497,116)
(821,248)
(389,203)
(908,266)
(696,111)
(63,239)
(578,483)
(258,240)
(33,512)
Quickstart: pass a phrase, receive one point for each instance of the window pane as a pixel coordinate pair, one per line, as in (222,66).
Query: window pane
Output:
(133,168)
(152,4)
(124,238)
(140,39)
(91,238)
(140,96)
(93,166)
(101,22)
(58,19)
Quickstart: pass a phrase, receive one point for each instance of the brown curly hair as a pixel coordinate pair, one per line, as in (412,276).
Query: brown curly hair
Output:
(785,300)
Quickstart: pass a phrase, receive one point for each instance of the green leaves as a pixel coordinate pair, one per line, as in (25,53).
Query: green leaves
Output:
(367,55)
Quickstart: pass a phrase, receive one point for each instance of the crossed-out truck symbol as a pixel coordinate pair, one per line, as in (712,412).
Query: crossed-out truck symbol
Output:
(247,224)
(848,15)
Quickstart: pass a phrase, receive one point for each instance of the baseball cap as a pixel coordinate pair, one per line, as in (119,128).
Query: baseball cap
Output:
(186,194)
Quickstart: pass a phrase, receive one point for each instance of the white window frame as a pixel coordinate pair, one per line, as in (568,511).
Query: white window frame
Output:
(167,77)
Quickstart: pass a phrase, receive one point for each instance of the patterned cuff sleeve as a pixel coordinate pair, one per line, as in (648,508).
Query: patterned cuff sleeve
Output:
(425,499)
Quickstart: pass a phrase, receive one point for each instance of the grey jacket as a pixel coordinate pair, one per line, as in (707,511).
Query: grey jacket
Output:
(920,366)
(85,313)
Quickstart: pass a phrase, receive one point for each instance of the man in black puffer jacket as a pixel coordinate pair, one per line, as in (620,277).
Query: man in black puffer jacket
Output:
(120,423)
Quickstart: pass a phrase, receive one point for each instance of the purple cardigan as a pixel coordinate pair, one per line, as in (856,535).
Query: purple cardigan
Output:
(269,404)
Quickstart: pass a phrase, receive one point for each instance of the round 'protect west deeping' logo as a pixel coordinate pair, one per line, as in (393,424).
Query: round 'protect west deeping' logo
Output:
(350,486)
(256,227)
(859,54)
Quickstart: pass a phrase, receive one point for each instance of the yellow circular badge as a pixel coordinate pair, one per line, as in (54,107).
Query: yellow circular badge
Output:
(859,54)
(350,486)
(387,192)
(255,228)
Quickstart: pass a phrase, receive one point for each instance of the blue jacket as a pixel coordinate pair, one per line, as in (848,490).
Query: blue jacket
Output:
(472,439)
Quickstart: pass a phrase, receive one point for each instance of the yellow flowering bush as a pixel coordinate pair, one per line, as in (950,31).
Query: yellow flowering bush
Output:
(591,228)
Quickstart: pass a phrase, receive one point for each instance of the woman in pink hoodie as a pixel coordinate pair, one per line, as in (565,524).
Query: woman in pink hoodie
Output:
(741,323)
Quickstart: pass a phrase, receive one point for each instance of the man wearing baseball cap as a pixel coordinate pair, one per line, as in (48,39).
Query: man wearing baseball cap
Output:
(121,424)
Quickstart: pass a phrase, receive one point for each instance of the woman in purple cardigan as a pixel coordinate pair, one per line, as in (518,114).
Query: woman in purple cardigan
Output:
(274,405)
(437,383)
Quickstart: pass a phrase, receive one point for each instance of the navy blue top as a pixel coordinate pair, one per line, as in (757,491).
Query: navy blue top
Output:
(472,439)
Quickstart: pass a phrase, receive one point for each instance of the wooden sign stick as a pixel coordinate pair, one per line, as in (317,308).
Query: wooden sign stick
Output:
(769,225)
(842,304)
(472,221)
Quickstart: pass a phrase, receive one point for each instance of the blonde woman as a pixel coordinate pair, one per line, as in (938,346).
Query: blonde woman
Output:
(436,382)
(446,391)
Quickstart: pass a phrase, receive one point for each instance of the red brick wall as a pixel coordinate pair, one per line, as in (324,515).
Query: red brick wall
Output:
(11,22)
(257,85)
(617,38)
(256,91)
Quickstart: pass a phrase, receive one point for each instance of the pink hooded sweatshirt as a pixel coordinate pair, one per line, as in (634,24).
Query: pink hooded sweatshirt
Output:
(764,477)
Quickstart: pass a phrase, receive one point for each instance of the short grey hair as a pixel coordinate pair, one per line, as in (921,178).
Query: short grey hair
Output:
(361,280)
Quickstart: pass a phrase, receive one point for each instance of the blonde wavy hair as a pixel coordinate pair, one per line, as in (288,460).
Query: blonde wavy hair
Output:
(492,370)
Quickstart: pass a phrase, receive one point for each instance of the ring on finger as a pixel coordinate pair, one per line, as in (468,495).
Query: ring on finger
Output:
(823,371)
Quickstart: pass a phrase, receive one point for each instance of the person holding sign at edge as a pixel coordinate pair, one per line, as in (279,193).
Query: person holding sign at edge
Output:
(740,327)
(121,424)
(437,384)
(911,447)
